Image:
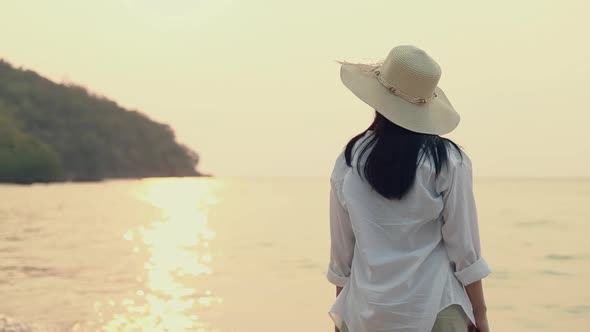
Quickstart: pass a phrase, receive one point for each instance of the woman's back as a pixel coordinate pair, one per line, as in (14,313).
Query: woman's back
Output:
(401,274)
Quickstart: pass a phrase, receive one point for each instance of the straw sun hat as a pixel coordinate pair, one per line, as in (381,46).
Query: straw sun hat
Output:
(404,90)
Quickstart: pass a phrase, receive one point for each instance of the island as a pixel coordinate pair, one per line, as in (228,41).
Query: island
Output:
(51,132)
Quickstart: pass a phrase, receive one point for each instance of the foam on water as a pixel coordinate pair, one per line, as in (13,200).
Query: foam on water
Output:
(8,324)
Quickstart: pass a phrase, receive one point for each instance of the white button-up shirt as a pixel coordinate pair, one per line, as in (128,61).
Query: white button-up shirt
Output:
(400,262)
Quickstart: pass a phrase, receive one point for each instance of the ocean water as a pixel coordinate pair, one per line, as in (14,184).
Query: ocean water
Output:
(251,255)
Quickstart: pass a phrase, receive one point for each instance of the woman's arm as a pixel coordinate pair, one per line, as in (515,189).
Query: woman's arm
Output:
(342,242)
(460,233)
(475,293)
(338,290)
(460,229)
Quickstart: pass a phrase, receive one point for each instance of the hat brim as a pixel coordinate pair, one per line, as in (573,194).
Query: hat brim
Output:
(435,117)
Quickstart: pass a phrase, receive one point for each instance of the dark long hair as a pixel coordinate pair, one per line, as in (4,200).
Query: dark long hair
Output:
(390,167)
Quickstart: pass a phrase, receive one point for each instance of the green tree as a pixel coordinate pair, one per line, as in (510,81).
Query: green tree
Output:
(93,138)
(23,159)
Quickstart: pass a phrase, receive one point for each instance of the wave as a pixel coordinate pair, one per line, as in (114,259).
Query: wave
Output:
(8,324)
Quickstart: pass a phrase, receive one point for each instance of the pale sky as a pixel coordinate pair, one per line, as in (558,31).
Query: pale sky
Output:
(252,85)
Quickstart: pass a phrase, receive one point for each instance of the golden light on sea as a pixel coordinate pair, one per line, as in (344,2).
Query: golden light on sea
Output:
(177,251)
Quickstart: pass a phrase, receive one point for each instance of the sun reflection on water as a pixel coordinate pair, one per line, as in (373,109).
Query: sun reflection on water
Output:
(176,247)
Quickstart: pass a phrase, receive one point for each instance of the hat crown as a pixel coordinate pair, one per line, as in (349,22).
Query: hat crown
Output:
(411,71)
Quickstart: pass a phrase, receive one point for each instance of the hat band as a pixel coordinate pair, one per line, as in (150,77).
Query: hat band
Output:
(397,92)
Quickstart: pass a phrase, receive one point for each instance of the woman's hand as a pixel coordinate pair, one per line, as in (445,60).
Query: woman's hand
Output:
(481,319)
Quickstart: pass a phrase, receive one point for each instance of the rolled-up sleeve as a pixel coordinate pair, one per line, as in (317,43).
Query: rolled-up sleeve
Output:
(342,241)
(460,230)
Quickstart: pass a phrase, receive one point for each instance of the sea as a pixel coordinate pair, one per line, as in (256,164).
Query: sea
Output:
(250,254)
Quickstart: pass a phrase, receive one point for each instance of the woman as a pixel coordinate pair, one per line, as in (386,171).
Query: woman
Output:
(405,247)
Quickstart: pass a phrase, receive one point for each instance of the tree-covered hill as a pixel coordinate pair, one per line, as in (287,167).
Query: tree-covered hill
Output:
(55,132)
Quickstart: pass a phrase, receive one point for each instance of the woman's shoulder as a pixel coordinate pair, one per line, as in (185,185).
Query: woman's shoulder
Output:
(458,165)
(458,158)
(338,176)
(340,167)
